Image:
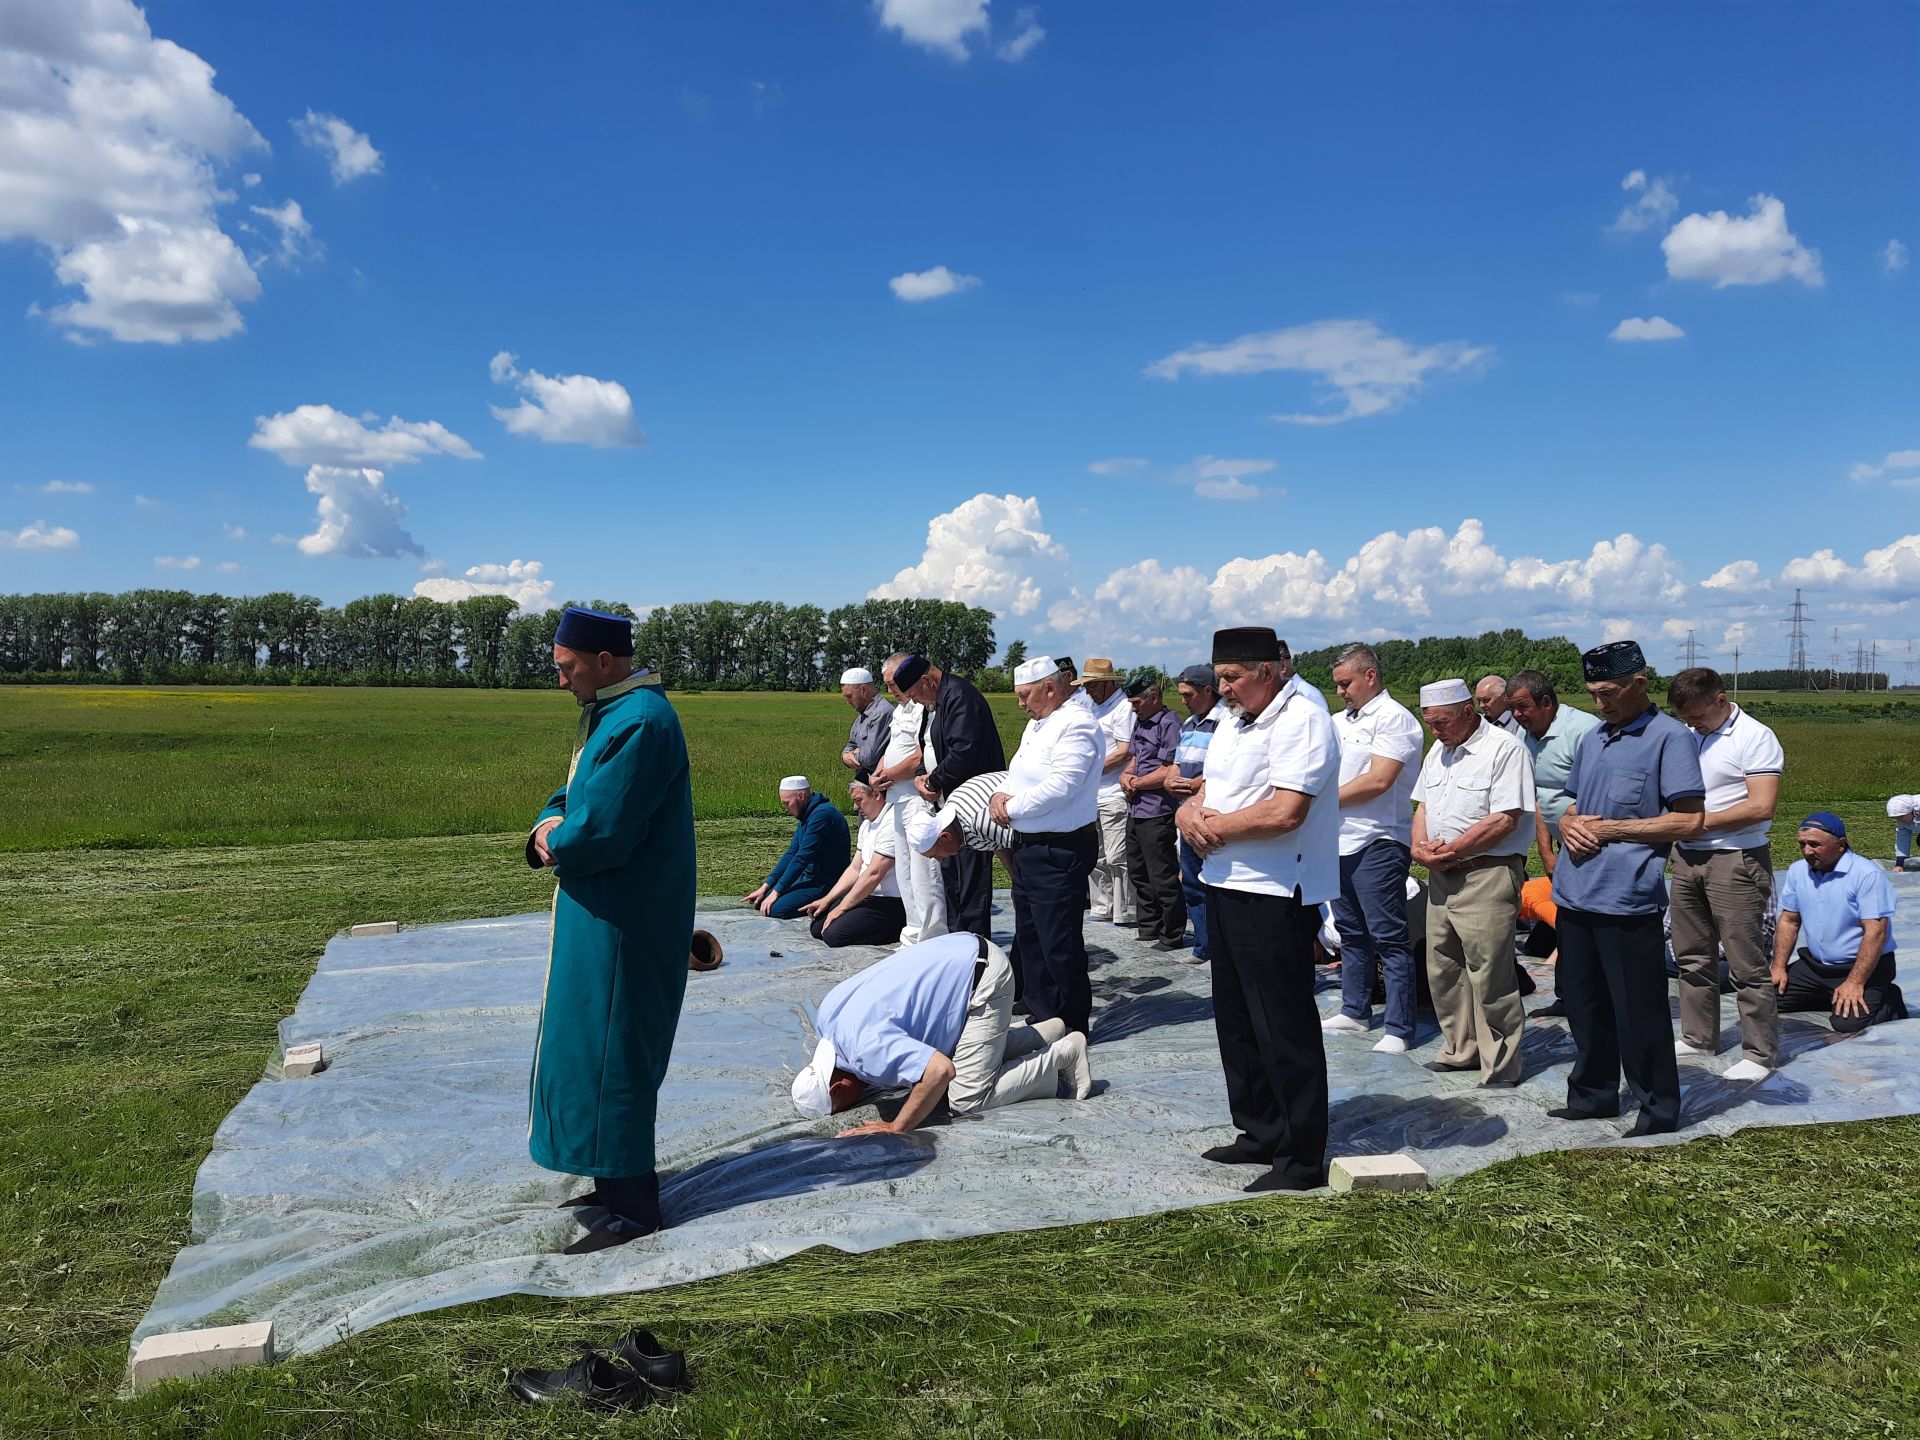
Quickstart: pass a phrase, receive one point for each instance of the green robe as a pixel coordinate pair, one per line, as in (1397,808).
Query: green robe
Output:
(622,928)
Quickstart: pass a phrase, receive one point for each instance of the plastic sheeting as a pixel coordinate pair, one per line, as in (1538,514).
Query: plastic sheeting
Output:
(397,1180)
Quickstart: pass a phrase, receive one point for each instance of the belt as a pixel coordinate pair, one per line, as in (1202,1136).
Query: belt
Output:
(1808,956)
(1051,837)
(1482,862)
(980,966)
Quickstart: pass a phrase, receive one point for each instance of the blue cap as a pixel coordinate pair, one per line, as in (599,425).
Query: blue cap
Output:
(594,631)
(1825,820)
(1198,676)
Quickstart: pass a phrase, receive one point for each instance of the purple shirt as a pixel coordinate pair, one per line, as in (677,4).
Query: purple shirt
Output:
(1153,745)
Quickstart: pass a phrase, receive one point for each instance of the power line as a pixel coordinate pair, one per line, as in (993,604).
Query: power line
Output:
(1690,652)
(1797,637)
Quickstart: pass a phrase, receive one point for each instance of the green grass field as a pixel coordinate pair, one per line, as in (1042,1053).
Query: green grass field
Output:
(172,862)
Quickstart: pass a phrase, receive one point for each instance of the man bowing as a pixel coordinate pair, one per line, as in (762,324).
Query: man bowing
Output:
(619,838)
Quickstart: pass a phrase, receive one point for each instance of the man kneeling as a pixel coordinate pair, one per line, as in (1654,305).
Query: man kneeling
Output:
(935,1016)
(864,905)
(1836,910)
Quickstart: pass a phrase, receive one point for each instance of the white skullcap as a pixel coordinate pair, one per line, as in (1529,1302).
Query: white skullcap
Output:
(925,829)
(1036,669)
(1901,806)
(795,782)
(1446,692)
(858,675)
(810,1094)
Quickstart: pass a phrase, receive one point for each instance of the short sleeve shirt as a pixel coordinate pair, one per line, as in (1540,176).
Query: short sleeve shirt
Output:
(969,805)
(876,838)
(888,1021)
(1460,785)
(871,730)
(1553,761)
(1289,746)
(1631,772)
(1384,727)
(1196,733)
(1116,724)
(1155,742)
(1832,905)
(1739,748)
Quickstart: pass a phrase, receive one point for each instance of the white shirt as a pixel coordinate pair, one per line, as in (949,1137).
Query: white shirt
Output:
(902,741)
(1054,780)
(1739,748)
(1117,720)
(876,838)
(1460,785)
(1289,746)
(1384,727)
(1308,692)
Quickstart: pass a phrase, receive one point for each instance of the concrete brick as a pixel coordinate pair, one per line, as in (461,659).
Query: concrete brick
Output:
(1377,1172)
(187,1353)
(303,1060)
(375,927)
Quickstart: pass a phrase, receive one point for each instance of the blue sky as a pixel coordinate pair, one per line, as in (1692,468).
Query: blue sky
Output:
(1161,228)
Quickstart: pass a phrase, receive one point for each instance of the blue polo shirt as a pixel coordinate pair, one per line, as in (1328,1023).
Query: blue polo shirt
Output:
(887,1021)
(1633,771)
(1831,904)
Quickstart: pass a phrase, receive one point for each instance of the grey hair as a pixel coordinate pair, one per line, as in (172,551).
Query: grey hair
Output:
(1536,683)
(1360,655)
(1484,678)
(891,664)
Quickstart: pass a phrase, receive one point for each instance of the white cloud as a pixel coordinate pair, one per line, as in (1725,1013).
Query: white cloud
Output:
(230,567)
(1372,371)
(177,562)
(350,154)
(1117,465)
(915,286)
(147,502)
(1021,43)
(1214,478)
(566,409)
(1226,487)
(1752,249)
(1896,460)
(249,180)
(766,96)
(234,532)
(938,25)
(1894,258)
(66,487)
(39,536)
(296,232)
(1656,327)
(1156,605)
(110,143)
(1894,567)
(358,516)
(1736,575)
(322,435)
(989,551)
(1653,203)
(518,579)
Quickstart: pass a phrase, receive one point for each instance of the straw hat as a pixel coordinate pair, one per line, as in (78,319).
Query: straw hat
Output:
(705,953)
(1099,667)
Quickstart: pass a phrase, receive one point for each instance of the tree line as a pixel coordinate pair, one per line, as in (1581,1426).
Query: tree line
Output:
(1408,664)
(176,636)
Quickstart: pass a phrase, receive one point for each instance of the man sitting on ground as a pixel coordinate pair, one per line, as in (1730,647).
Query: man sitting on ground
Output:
(817,853)
(864,906)
(937,1017)
(1836,908)
(1904,811)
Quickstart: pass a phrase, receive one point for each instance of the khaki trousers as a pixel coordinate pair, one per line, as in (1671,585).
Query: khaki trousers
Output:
(1110,888)
(1472,968)
(996,1062)
(1720,900)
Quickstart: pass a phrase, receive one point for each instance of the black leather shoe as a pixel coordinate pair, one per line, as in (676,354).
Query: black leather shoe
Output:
(660,1367)
(1567,1112)
(1441,1067)
(595,1380)
(1231,1155)
(1165,944)
(1643,1126)
(1553,1007)
(592,1197)
(1274,1180)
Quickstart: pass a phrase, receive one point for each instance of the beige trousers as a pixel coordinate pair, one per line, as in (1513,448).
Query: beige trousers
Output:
(1472,968)
(1720,900)
(995,1062)
(1110,887)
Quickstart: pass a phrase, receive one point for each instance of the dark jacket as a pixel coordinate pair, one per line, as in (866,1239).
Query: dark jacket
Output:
(965,739)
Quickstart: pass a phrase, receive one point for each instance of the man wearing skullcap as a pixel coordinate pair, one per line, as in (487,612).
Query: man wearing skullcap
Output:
(1266,821)
(1153,854)
(1636,789)
(965,821)
(815,855)
(1904,811)
(923,893)
(959,739)
(1049,802)
(1836,912)
(872,722)
(1472,831)
(1202,703)
(618,837)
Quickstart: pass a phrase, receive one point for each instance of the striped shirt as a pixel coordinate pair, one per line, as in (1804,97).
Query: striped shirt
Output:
(1196,733)
(968,805)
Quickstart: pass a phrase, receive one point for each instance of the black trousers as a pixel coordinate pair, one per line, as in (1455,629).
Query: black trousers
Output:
(1612,978)
(1153,868)
(1811,987)
(968,880)
(1049,907)
(1269,1027)
(876,920)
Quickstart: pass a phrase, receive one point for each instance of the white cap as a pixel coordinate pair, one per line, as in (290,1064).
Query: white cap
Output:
(795,782)
(858,675)
(810,1094)
(1027,672)
(1446,692)
(1901,806)
(925,829)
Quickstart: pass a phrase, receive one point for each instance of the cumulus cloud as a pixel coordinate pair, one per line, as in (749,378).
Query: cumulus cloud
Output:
(230,567)
(350,154)
(1894,567)
(566,409)
(1656,327)
(177,562)
(1227,487)
(1214,478)
(1752,249)
(990,551)
(1894,258)
(918,285)
(1896,461)
(1736,575)
(110,146)
(39,536)
(942,26)
(322,435)
(1027,34)
(66,487)
(1145,600)
(295,230)
(358,516)
(519,580)
(1652,204)
(1371,371)
(1117,465)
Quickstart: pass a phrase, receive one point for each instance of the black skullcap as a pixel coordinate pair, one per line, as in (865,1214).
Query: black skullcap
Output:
(594,631)
(1245,645)
(907,673)
(1613,660)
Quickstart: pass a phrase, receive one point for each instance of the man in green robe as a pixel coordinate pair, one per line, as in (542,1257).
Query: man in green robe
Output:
(619,839)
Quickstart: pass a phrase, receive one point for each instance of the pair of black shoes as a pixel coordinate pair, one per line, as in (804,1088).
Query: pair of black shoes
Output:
(638,1372)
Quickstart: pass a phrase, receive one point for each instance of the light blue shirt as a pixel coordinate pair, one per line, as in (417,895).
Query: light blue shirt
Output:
(1633,771)
(1832,904)
(1553,761)
(887,1021)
